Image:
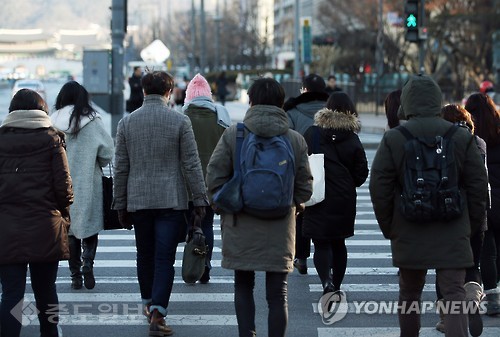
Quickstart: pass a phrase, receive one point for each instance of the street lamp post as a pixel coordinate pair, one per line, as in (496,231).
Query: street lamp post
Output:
(296,63)
(203,31)
(217,36)
(118,28)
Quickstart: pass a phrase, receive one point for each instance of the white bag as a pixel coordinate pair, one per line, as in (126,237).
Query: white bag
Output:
(317,165)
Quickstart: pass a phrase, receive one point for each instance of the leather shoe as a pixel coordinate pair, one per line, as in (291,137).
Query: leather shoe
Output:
(158,326)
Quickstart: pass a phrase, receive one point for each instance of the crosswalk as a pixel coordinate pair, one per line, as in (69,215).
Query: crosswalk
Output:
(113,307)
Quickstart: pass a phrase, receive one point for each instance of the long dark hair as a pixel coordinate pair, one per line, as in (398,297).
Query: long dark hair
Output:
(73,93)
(486,117)
(392,103)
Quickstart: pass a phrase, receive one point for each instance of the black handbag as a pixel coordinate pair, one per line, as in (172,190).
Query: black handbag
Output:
(110,215)
(195,252)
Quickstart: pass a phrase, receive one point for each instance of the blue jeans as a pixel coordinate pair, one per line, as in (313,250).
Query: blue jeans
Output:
(43,281)
(156,238)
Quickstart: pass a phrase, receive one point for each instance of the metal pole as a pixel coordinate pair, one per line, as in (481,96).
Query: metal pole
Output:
(380,53)
(117,78)
(217,36)
(421,43)
(193,40)
(296,63)
(203,28)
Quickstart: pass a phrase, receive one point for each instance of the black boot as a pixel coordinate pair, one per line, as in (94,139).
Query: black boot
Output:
(75,262)
(89,251)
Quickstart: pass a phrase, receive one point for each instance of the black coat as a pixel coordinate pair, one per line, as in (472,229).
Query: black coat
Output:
(346,168)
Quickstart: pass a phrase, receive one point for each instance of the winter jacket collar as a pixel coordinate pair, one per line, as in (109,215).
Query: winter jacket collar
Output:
(60,119)
(223,118)
(266,120)
(305,98)
(328,119)
(27,119)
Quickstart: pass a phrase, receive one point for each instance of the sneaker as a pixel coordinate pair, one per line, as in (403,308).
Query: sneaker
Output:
(158,326)
(301,265)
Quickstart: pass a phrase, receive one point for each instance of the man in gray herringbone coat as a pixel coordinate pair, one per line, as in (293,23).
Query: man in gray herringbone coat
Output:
(156,157)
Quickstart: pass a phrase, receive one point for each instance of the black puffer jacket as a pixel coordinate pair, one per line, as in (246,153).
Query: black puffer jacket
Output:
(35,190)
(346,168)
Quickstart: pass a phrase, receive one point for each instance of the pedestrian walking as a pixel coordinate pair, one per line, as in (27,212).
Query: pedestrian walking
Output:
(221,84)
(35,195)
(331,85)
(89,149)
(300,111)
(331,221)
(156,158)
(420,241)
(136,94)
(209,122)
(473,290)
(250,243)
(487,126)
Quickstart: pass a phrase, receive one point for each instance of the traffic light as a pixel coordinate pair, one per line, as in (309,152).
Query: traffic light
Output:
(411,20)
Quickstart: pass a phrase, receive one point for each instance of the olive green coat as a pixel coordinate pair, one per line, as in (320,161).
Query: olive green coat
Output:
(250,243)
(437,244)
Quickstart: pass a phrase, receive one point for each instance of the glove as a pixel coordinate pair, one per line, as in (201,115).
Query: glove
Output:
(125,219)
(199,211)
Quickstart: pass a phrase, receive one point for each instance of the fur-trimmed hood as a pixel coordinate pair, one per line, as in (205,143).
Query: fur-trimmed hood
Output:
(328,119)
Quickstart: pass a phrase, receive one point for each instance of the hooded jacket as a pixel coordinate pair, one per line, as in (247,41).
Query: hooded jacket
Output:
(302,108)
(88,153)
(436,244)
(346,168)
(35,190)
(250,243)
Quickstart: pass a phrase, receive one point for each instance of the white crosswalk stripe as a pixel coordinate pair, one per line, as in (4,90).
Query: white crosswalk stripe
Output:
(116,298)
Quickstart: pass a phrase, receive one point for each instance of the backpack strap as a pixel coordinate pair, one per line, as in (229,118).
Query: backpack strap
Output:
(418,164)
(316,147)
(405,132)
(240,135)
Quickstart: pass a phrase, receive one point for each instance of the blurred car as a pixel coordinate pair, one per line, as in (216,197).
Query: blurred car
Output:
(35,85)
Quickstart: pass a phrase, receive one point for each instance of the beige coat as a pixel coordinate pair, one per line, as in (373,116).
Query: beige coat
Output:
(250,243)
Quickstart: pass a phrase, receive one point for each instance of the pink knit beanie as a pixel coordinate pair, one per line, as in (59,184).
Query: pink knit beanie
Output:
(198,86)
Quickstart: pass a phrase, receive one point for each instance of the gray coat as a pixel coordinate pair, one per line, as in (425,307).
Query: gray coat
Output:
(156,156)
(87,153)
(250,243)
(437,244)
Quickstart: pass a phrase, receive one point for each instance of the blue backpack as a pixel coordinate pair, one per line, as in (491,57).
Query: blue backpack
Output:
(267,175)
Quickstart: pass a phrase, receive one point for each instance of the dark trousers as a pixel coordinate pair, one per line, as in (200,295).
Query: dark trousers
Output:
(472,274)
(276,297)
(411,283)
(302,244)
(490,259)
(156,238)
(89,246)
(43,281)
(207,226)
(328,255)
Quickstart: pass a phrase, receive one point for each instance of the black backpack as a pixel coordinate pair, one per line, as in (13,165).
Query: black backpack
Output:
(430,189)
